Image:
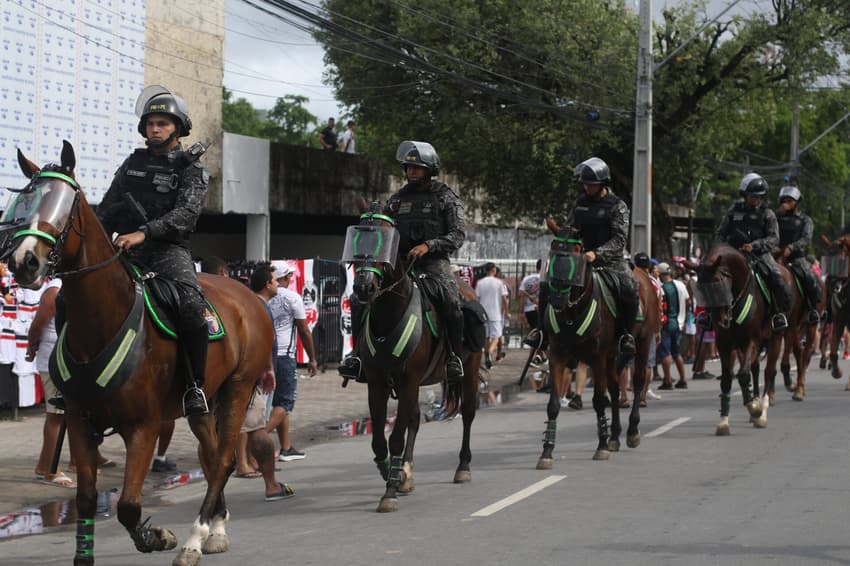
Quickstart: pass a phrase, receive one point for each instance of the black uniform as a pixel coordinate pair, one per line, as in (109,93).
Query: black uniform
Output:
(603,224)
(169,191)
(758,227)
(795,233)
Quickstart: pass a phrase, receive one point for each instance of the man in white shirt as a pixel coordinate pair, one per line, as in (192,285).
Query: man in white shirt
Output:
(347,142)
(289,317)
(493,296)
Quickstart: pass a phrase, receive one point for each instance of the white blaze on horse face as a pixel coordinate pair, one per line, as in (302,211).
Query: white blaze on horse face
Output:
(28,244)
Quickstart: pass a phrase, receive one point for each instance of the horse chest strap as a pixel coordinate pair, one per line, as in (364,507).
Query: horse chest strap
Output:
(745,310)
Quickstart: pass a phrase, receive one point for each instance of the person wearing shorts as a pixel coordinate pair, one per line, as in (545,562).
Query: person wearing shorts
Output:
(493,296)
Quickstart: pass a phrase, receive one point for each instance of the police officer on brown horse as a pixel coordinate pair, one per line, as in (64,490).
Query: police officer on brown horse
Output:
(430,222)
(601,219)
(751,227)
(153,204)
(795,237)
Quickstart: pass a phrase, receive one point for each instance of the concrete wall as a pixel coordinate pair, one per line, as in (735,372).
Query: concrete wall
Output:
(184,46)
(327,183)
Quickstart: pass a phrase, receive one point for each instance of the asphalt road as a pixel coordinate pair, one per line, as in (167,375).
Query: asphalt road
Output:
(777,496)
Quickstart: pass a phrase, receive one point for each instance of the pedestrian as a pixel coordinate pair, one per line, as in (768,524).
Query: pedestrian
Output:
(673,321)
(153,204)
(493,297)
(261,446)
(327,137)
(529,290)
(215,266)
(642,261)
(347,143)
(289,317)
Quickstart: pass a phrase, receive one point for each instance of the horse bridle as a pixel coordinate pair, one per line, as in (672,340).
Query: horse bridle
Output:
(56,242)
(569,303)
(370,218)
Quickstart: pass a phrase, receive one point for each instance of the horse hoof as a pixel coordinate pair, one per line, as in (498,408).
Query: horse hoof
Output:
(544,464)
(408,484)
(601,455)
(797,396)
(822,363)
(463,476)
(790,387)
(387,505)
(168,539)
(633,441)
(754,408)
(836,372)
(187,557)
(216,544)
(722,430)
(614,445)
(760,422)
(84,561)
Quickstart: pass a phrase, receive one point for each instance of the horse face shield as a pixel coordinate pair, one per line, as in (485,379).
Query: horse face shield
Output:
(371,248)
(715,294)
(29,227)
(566,270)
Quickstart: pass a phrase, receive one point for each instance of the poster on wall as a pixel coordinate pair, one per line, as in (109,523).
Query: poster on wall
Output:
(70,70)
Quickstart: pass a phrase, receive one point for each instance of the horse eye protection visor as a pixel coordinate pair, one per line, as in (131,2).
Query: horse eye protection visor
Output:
(370,244)
(715,293)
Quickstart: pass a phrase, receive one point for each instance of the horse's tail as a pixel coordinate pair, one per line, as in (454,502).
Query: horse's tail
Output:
(453,399)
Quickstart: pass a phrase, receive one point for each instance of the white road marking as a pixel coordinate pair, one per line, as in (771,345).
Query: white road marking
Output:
(669,426)
(518,496)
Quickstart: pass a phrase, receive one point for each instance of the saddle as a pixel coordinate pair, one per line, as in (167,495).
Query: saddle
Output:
(474,315)
(162,302)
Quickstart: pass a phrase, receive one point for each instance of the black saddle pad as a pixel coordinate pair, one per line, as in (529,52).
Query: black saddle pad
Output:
(474,331)
(163,305)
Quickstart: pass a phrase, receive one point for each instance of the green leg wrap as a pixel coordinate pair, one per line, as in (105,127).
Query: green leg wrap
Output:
(85,537)
(549,433)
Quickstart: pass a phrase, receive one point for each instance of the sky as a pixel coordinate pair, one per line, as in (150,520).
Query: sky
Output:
(266,58)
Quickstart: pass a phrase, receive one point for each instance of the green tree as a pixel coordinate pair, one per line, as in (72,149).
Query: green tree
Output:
(239,116)
(289,122)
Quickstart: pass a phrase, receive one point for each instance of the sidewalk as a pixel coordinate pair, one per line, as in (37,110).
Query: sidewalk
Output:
(321,411)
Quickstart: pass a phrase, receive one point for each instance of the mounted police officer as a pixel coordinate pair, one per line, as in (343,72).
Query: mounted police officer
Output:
(795,237)
(153,204)
(751,226)
(601,219)
(429,219)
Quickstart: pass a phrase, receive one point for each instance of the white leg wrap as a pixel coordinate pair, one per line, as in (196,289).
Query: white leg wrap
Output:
(199,534)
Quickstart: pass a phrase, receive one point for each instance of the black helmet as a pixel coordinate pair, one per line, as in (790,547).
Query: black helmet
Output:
(594,171)
(418,153)
(157,99)
(790,192)
(753,185)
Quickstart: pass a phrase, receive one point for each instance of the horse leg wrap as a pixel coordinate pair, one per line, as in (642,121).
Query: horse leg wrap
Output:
(746,386)
(549,433)
(396,463)
(85,538)
(602,427)
(725,404)
(384,467)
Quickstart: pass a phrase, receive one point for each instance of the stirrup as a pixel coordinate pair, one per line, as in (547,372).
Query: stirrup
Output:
(627,345)
(814,316)
(454,361)
(352,368)
(779,322)
(534,339)
(195,406)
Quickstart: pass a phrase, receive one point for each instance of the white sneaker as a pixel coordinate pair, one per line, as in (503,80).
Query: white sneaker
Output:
(652,395)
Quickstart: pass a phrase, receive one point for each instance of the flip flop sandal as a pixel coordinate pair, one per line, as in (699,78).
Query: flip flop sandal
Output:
(285,491)
(108,464)
(247,475)
(61,480)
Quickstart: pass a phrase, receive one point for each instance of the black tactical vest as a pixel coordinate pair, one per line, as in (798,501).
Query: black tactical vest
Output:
(790,228)
(746,224)
(419,217)
(152,180)
(593,219)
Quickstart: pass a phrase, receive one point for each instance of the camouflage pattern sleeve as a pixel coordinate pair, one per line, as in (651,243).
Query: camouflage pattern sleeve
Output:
(802,245)
(452,240)
(180,221)
(612,250)
(771,229)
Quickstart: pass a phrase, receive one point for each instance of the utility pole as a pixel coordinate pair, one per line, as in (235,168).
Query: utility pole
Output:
(641,231)
(794,153)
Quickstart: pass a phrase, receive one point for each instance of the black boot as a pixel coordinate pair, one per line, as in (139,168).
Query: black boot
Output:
(195,342)
(352,367)
(629,310)
(454,332)
(782,294)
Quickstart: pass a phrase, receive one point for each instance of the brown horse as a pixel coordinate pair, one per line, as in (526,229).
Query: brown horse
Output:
(798,327)
(734,297)
(582,328)
(836,268)
(402,350)
(63,234)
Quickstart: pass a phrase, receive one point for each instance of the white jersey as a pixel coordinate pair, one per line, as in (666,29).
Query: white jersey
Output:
(287,307)
(48,336)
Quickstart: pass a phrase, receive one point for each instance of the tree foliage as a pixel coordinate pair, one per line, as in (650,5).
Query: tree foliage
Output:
(287,122)
(503,90)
